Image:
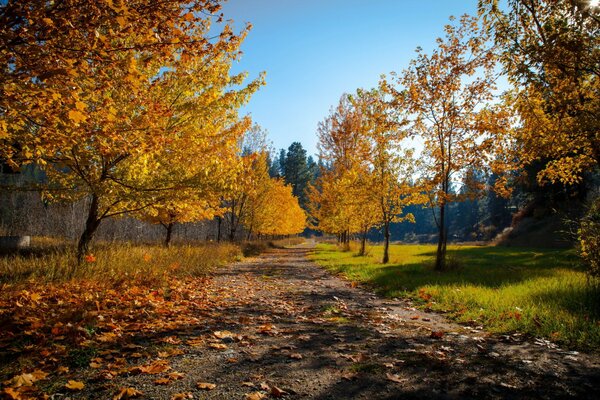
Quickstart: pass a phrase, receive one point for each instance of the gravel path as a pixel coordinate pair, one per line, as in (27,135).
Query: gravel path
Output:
(285,328)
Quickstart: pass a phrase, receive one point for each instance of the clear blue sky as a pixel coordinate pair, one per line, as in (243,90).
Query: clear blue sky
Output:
(313,51)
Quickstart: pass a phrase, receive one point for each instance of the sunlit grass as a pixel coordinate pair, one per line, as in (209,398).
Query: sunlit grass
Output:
(114,263)
(541,292)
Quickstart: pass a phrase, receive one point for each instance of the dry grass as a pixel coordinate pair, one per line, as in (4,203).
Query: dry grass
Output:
(113,263)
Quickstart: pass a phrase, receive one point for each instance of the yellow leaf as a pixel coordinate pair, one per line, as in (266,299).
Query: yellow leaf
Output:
(76,116)
(21,380)
(80,106)
(121,21)
(74,385)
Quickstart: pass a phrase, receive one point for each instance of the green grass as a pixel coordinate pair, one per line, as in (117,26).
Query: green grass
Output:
(540,292)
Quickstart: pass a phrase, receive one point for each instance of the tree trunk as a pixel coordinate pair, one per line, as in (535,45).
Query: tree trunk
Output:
(169,228)
(440,260)
(91,225)
(386,242)
(363,243)
(232,227)
(219,221)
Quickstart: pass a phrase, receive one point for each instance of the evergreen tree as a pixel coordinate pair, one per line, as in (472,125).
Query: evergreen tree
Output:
(296,172)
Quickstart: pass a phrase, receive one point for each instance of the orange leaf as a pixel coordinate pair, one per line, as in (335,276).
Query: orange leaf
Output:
(11,394)
(176,375)
(162,381)
(255,396)
(206,385)
(127,393)
(182,396)
(74,385)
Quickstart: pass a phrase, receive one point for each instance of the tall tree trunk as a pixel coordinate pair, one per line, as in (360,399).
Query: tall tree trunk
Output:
(169,228)
(386,242)
(232,227)
(91,225)
(440,260)
(219,222)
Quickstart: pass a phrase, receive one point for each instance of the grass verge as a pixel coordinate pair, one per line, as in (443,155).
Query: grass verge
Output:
(540,292)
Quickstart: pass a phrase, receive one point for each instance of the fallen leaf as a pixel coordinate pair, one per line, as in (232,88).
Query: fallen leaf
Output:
(21,380)
(156,367)
(296,356)
(436,335)
(206,385)
(182,396)
(255,396)
(264,386)
(127,393)
(74,385)
(249,384)
(175,375)
(11,394)
(222,334)
(395,378)
(349,376)
(218,346)
(162,381)
(277,392)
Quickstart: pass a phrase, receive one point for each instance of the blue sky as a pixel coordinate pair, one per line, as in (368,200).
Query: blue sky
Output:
(315,50)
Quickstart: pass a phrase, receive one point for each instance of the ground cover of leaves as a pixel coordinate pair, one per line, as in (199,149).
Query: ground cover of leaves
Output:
(275,326)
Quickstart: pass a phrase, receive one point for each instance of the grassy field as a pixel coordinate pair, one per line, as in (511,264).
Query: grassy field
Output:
(541,292)
(112,263)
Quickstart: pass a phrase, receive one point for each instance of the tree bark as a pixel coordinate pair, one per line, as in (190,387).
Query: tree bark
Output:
(363,243)
(169,228)
(386,242)
(233,225)
(219,221)
(440,260)
(91,225)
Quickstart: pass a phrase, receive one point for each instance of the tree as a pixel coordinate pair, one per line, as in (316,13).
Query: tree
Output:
(89,89)
(447,93)
(340,196)
(550,52)
(277,211)
(296,171)
(390,165)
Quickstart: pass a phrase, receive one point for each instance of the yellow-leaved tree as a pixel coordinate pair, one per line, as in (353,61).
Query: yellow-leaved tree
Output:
(90,89)
(390,164)
(448,95)
(341,199)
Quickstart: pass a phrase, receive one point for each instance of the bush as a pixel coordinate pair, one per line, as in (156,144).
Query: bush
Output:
(589,239)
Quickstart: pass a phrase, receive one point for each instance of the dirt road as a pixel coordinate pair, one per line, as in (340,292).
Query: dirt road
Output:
(288,329)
